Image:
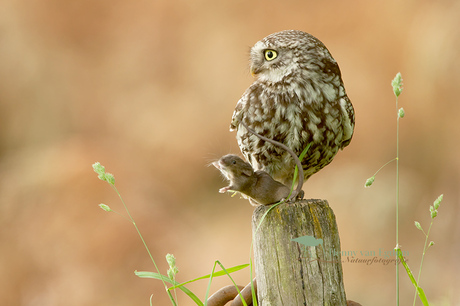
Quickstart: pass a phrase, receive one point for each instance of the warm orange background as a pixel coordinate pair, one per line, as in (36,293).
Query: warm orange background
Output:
(148,89)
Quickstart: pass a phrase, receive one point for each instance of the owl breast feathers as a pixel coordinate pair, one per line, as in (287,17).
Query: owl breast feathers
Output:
(297,98)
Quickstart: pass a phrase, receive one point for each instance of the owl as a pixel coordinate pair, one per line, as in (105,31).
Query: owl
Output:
(297,98)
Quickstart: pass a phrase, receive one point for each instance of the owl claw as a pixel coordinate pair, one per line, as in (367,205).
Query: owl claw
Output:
(296,196)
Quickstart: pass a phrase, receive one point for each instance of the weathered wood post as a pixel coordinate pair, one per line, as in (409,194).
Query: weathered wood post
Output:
(291,273)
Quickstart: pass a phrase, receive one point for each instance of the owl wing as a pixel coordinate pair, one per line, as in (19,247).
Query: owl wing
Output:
(238,112)
(348,122)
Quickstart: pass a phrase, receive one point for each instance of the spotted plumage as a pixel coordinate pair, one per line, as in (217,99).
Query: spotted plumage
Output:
(297,98)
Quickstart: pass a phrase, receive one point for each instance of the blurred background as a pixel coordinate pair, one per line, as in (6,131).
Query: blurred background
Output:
(148,88)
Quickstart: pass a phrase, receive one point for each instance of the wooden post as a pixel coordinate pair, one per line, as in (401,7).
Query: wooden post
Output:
(291,273)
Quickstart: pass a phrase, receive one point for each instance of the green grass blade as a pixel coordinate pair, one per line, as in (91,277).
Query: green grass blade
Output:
(146,274)
(296,170)
(253,291)
(420,291)
(209,284)
(234,284)
(214,274)
(304,152)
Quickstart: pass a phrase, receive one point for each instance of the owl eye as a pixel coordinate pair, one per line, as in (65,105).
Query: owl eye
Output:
(270,55)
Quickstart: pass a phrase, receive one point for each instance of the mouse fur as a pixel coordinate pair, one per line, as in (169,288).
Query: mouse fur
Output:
(258,185)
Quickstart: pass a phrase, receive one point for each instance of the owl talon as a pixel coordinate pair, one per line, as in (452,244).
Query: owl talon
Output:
(296,196)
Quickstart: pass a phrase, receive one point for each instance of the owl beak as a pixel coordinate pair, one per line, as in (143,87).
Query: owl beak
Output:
(254,71)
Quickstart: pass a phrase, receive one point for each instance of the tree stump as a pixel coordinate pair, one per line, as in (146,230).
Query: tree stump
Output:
(292,273)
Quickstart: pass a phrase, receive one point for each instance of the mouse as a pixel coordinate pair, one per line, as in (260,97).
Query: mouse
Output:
(258,186)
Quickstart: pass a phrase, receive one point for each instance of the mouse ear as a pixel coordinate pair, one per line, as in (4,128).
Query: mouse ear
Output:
(248,171)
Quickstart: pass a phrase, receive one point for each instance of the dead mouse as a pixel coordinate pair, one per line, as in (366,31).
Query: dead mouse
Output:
(259,186)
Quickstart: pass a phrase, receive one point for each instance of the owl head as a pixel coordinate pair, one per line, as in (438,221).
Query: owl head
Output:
(291,54)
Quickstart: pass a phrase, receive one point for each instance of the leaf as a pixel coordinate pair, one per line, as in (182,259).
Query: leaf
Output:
(304,152)
(215,274)
(296,170)
(146,274)
(420,292)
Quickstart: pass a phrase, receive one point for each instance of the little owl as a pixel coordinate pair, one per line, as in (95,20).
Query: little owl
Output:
(297,98)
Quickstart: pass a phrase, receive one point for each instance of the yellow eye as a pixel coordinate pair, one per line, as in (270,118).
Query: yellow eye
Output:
(270,55)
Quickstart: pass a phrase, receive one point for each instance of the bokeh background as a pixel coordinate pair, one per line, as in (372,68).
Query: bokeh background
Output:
(148,88)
